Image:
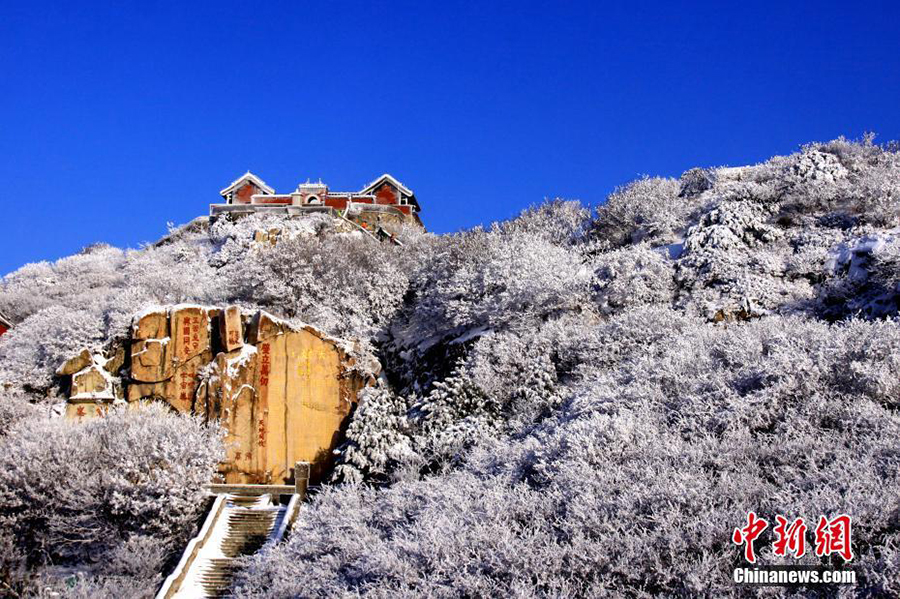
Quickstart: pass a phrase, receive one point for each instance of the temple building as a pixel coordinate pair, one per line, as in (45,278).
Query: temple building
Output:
(382,204)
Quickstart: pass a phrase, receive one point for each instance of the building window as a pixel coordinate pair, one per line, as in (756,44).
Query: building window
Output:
(313,200)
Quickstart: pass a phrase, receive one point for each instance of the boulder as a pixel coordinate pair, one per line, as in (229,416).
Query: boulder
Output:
(151,359)
(73,365)
(115,358)
(92,383)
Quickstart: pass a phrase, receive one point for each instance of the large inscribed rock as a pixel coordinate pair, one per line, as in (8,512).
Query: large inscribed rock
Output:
(282,394)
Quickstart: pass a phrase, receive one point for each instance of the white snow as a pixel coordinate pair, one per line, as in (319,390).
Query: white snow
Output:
(233,365)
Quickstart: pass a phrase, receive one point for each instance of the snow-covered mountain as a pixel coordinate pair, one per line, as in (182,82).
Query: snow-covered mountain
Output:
(573,402)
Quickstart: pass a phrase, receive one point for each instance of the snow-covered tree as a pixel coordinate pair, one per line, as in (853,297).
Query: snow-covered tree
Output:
(74,492)
(649,209)
(377,438)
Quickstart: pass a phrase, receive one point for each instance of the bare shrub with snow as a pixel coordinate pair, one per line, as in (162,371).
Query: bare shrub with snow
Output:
(15,407)
(377,439)
(608,446)
(345,284)
(560,222)
(74,493)
(79,282)
(633,276)
(860,179)
(649,209)
(486,279)
(31,352)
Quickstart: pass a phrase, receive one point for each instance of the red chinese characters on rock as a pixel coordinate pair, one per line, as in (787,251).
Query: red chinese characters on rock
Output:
(833,536)
(265,364)
(195,335)
(264,370)
(187,385)
(81,411)
(748,534)
(190,335)
(186,335)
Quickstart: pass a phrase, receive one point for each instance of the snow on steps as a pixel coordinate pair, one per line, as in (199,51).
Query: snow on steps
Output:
(237,525)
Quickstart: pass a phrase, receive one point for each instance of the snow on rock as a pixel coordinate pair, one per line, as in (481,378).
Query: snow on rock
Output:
(236,363)
(855,257)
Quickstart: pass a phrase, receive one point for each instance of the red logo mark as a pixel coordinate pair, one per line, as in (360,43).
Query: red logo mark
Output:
(748,534)
(833,536)
(790,538)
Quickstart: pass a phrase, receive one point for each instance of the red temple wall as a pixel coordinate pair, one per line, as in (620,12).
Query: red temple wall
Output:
(244,193)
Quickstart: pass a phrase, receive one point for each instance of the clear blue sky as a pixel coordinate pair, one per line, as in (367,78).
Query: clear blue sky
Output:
(118,117)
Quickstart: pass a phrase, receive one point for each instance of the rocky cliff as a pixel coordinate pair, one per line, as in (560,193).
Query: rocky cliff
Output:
(281,393)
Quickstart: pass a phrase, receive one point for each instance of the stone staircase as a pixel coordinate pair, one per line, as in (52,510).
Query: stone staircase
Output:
(238,525)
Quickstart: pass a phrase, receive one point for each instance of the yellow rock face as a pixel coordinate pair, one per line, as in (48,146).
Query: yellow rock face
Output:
(179,390)
(283,400)
(230,328)
(230,398)
(151,359)
(152,325)
(168,348)
(282,395)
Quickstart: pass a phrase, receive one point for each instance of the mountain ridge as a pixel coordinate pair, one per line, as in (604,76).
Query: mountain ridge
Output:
(573,402)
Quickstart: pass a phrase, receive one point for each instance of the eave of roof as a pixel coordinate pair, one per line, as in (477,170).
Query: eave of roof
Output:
(386,177)
(248,176)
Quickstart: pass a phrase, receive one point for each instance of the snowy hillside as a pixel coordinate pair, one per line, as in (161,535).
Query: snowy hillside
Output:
(573,402)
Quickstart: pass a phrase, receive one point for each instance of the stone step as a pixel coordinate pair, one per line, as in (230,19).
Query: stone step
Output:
(245,525)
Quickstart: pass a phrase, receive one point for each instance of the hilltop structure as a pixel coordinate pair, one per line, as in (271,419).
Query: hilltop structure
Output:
(383,203)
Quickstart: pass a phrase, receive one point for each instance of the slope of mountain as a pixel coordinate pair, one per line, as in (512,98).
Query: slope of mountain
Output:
(573,402)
